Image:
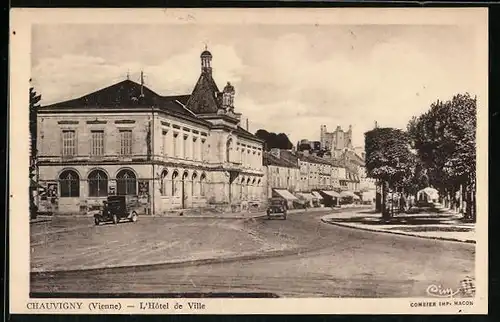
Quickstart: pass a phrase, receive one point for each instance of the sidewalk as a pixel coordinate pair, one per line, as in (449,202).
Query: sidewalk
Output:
(443,226)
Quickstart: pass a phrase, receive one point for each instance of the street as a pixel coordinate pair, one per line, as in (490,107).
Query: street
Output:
(329,261)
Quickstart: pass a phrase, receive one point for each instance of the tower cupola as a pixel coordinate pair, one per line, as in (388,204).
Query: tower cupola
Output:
(206,61)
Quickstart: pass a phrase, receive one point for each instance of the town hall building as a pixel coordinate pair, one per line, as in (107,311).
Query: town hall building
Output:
(170,152)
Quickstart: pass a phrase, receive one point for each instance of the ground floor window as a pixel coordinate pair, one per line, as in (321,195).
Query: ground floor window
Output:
(69,183)
(126,183)
(98,184)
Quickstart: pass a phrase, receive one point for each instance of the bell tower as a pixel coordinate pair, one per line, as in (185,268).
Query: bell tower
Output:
(206,62)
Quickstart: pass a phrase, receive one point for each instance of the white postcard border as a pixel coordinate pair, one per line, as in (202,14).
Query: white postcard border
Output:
(20,65)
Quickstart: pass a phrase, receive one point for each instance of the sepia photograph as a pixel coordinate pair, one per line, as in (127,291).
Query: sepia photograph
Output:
(214,155)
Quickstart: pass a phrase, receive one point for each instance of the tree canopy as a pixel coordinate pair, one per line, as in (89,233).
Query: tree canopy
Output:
(388,156)
(445,140)
(33,109)
(273,140)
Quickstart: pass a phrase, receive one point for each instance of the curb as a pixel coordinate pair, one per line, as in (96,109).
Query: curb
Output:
(177,264)
(331,222)
(33,222)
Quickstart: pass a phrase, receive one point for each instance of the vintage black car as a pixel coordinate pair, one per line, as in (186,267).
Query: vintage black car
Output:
(276,207)
(117,208)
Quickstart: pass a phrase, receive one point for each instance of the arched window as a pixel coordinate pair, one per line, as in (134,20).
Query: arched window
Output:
(228,150)
(98,184)
(194,184)
(69,183)
(175,174)
(126,183)
(202,184)
(164,181)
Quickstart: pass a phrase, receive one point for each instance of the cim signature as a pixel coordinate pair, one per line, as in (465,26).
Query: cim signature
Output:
(440,291)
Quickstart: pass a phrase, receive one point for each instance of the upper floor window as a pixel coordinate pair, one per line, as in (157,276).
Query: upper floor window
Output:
(68,142)
(195,148)
(202,148)
(176,145)
(163,143)
(97,143)
(125,142)
(185,146)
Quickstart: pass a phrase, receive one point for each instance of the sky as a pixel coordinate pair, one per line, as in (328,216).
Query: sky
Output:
(288,78)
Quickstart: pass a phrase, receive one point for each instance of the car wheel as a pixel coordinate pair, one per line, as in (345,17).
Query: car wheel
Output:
(134,217)
(96,221)
(115,219)
(284,217)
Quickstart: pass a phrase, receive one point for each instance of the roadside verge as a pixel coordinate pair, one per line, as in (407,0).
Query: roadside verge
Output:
(438,230)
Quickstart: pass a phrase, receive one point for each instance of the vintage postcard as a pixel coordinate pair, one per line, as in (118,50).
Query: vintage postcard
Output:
(241,161)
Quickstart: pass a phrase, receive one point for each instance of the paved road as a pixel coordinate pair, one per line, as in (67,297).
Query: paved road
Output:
(338,262)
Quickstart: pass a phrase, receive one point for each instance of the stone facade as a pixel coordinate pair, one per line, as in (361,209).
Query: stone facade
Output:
(282,171)
(315,173)
(171,152)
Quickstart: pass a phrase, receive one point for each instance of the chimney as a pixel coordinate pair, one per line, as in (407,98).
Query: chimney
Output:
(247,123)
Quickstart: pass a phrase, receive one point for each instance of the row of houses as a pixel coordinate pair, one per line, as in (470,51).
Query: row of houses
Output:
(299,176)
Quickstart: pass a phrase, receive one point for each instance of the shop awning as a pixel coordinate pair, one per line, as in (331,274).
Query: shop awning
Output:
(331,193)
(285,194)
(317,195)
(348,193)
(306,196)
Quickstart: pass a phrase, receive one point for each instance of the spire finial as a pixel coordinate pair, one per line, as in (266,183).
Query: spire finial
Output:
(206,47)
(128,74)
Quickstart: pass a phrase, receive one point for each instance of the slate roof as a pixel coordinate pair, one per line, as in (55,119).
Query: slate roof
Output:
(202,99)
(313,159)
(270,159)
(126,94)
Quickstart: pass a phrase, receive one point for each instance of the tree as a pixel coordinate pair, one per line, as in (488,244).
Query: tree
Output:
(273,140)
(445,140)
(33,109)
(389,160)
(34,100)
